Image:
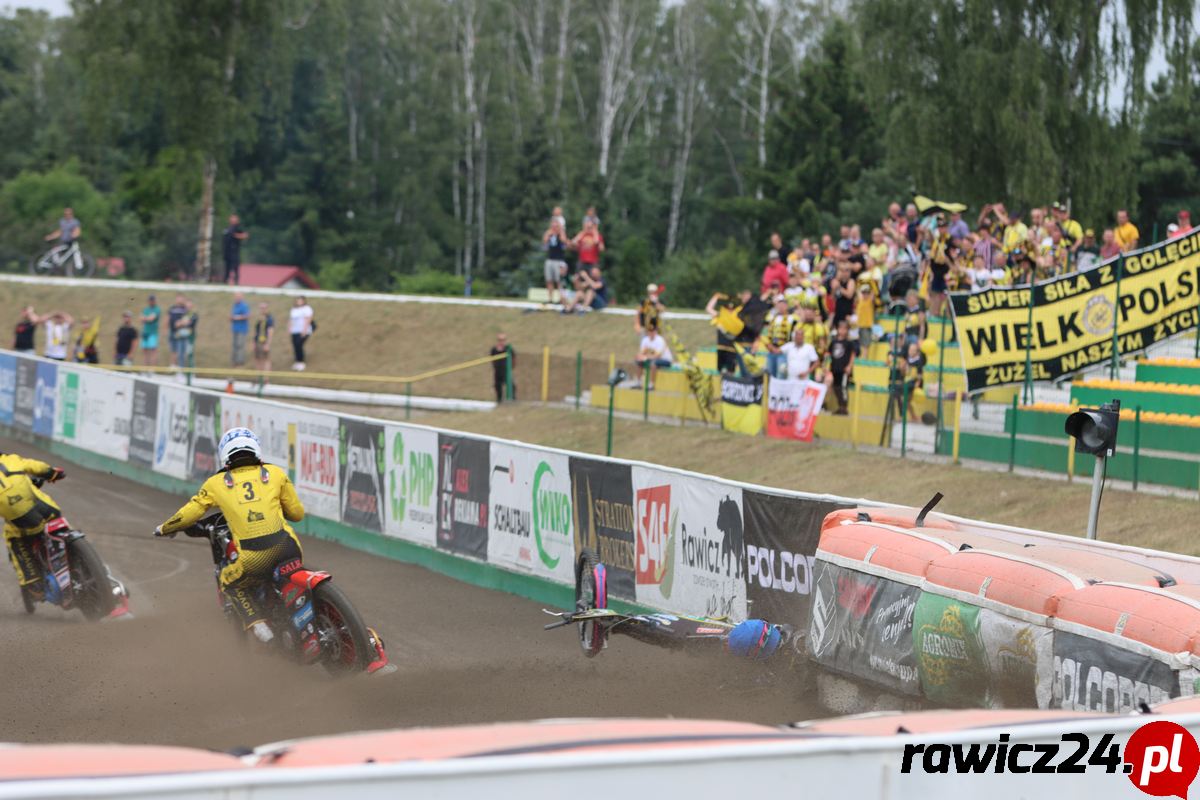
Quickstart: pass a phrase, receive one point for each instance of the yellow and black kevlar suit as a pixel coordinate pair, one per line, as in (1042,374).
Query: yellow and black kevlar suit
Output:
(257,500)
(26,510)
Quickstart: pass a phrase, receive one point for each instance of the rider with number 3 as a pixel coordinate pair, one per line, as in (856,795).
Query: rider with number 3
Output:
(258,500)
(26,510)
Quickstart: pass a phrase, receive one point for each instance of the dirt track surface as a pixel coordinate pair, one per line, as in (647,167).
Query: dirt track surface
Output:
(174,675)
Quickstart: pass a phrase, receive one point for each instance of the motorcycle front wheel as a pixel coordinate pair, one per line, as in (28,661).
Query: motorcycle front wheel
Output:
(89,577)
(345,643)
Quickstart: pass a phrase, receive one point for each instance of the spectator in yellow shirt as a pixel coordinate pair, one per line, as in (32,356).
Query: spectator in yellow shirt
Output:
(1126,233)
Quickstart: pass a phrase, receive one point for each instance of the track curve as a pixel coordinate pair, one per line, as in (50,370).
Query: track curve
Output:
(174,675)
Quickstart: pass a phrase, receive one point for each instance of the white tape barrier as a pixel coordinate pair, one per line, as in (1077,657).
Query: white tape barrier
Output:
(319,294)
(344,396)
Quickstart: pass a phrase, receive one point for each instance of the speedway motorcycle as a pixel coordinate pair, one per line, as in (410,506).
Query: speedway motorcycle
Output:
(73,574)
(596,621)
(313,620)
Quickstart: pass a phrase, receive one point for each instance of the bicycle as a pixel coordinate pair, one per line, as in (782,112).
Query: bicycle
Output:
(64,259)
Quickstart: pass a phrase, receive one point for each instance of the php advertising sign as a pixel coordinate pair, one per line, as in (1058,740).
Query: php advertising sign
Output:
(530,525)
(690,553)
(66,418)
(411,481)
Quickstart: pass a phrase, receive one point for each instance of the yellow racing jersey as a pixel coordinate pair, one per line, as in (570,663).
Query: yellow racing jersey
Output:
(257,500)
(22,503)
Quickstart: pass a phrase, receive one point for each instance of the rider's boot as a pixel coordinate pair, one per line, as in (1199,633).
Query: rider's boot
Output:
(262,632)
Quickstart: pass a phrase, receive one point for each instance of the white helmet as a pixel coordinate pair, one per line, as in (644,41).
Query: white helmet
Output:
(238,440)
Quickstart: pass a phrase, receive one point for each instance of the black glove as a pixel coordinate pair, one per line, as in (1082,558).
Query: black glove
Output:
(57,474)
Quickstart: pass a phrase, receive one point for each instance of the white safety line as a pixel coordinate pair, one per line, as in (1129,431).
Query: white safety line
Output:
(166,288)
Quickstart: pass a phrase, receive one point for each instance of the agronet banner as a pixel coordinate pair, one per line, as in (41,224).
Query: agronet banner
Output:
(1152,295)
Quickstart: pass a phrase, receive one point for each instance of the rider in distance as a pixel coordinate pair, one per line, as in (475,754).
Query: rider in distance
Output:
(258,501)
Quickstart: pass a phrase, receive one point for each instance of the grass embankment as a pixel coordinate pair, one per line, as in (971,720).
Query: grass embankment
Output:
(1161,523)
(377,337)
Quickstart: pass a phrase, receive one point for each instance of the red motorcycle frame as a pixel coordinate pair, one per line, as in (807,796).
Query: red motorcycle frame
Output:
(74,575)
(312,618)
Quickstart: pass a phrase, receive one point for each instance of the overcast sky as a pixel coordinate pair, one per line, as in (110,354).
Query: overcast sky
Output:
(56,7)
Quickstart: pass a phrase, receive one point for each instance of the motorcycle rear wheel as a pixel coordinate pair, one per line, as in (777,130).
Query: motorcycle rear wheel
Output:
(93,591)
(345,642)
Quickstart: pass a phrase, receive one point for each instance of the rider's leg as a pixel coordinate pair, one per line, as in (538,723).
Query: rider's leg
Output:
(20,553)
(255,564)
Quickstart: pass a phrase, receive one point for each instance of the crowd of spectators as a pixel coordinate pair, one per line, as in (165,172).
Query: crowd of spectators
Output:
(820,298)
(148,331)
(578,283)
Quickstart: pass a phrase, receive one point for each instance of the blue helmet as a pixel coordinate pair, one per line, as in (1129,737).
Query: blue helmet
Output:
(755,638)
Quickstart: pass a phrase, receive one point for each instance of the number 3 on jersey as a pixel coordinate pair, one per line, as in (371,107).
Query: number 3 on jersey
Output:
(249,487)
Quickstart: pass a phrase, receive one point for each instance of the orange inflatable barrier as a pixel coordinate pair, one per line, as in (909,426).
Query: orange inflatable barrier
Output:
(1162,620)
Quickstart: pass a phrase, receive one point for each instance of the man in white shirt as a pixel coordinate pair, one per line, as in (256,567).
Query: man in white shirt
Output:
(300,326)
(58,335)
(801,356)
(653,353)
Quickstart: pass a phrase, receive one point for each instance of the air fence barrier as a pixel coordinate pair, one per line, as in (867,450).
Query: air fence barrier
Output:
(512,516)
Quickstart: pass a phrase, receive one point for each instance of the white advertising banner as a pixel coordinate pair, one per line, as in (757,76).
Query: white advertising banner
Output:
(313,461)
(530,525)
(268,421)
(411,484)
(171,431)
(689,544)
(105,406)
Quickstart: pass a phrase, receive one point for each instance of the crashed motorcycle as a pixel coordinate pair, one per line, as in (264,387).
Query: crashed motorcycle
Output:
(596,621)
(313,620)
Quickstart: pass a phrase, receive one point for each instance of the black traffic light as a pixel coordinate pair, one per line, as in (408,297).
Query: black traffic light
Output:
(1095,429)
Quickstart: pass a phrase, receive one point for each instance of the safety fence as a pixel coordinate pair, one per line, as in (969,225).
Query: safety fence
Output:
(957,617)
(498,513)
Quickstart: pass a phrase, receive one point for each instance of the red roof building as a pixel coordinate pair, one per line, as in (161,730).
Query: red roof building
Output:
(275,276)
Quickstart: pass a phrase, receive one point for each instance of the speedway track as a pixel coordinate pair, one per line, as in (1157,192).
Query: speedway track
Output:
(174,675)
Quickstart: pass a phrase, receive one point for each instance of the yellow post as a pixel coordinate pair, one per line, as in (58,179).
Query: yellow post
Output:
(957,421)
(854,414)
(612,362)
(765,407)
(545,374)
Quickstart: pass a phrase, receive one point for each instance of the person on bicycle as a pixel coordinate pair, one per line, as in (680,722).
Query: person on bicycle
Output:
(258,501)
(26,510)
(68,231)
